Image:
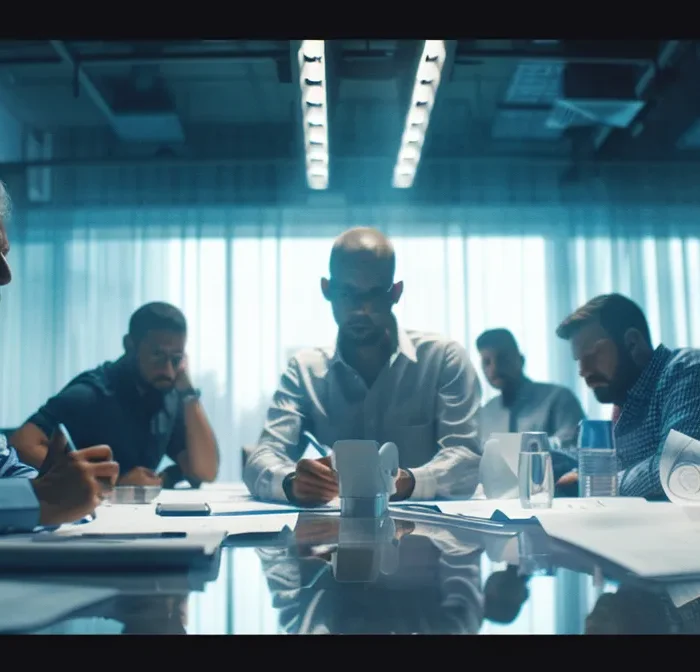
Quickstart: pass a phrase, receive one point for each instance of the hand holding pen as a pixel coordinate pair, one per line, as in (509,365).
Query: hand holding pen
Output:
(314,481)
(322,450)
(72,483)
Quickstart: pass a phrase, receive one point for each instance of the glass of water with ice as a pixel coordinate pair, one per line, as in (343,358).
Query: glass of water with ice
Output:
(535,473)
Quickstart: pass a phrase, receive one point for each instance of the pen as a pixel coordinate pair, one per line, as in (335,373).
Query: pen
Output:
(70,446)
(314,442)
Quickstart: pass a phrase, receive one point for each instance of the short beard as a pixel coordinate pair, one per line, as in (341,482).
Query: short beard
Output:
(148,389)
(373,337)
(616,391)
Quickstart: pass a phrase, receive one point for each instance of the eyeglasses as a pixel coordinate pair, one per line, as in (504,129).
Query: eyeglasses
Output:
(162,359)
(348,294)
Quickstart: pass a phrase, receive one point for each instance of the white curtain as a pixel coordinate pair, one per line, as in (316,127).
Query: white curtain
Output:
(248,281)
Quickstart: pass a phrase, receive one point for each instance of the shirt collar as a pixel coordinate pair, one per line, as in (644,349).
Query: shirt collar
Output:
(646,383)
(404,347)
(520,394)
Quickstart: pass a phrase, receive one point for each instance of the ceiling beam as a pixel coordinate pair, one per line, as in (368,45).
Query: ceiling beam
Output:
(569,55)
(83,81)
(145,58)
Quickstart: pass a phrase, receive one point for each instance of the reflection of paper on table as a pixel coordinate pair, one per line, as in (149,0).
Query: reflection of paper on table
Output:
(660,542)
(682,593)
(679,469)
(502,548)
(26,606)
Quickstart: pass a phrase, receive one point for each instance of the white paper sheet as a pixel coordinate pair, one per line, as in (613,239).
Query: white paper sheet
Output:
(252,506)
(143,520)
(26,606)
(233,500)
(659,542)
(679,469)
(510,509)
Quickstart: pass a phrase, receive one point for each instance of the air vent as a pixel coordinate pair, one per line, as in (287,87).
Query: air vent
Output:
(597,95)
(564,116)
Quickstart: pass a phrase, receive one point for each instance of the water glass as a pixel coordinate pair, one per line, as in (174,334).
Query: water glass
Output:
(535,473)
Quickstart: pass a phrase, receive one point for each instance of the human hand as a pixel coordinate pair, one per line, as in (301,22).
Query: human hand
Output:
(141,476)
(73,483)
(182,379)
(404,485)
(567,485)
(315,481)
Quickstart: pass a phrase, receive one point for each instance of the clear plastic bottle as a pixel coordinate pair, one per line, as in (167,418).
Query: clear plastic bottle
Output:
(597,460)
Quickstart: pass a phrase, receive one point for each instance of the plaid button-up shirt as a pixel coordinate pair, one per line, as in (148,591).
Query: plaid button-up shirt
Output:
(666,397)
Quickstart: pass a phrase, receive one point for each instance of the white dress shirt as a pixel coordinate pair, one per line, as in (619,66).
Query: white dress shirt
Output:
(425,400)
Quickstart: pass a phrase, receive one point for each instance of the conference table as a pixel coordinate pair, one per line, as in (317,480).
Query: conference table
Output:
(395,576)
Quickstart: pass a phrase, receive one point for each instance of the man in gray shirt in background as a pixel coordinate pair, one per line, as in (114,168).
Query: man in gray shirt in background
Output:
(378,382)
(524,405)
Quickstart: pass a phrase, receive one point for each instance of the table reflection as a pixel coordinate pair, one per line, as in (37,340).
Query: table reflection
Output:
(634,610)
(412,579)
(390,575)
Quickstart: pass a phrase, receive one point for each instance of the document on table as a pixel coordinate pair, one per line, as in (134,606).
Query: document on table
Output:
(679,469)
(510,510)
(26,606)
(662,542)
(229,492)
(252,506)
(143,520)
(233,502)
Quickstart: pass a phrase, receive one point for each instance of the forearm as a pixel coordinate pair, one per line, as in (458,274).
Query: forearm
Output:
(265,470)
(641,480)
(202,461)
(31,450)
(452,474)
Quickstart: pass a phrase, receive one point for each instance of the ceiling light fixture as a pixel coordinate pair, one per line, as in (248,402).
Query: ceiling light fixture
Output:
(312,81)
(428,75)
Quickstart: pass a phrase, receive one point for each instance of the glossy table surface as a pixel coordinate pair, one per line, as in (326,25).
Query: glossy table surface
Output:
(392,575)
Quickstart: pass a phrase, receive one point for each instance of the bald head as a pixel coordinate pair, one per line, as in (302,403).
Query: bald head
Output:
(361,288)
(366,248)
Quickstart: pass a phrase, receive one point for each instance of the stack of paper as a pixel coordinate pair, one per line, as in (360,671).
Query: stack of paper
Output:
(510,510)
(662,542)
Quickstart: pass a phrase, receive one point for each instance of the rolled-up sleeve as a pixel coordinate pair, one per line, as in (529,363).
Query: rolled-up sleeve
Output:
(10,465)
(19,507)
(454,471)
(75,406)
(278,449)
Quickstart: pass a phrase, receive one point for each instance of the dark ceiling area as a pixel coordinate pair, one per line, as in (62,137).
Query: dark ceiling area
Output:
(239,100)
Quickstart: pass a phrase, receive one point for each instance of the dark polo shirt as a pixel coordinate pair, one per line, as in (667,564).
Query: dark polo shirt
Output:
(104,406)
